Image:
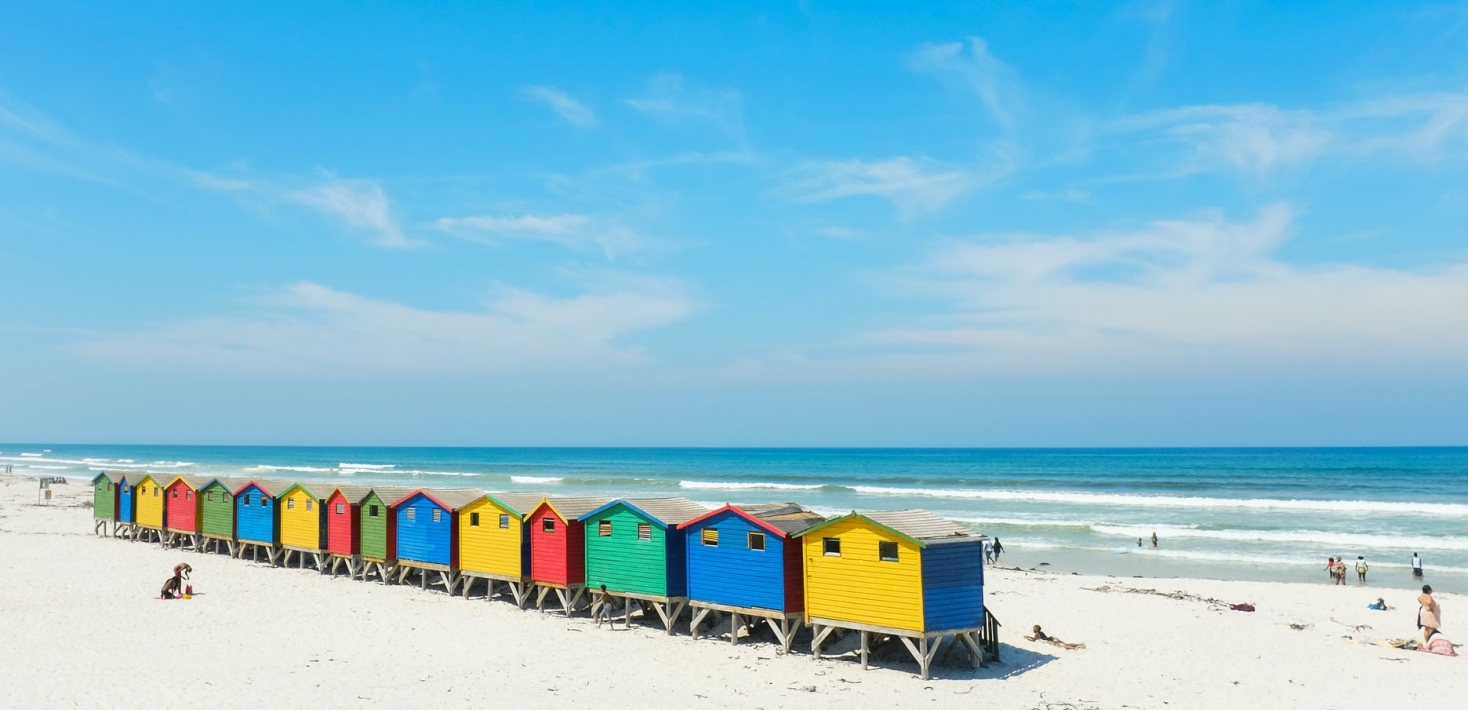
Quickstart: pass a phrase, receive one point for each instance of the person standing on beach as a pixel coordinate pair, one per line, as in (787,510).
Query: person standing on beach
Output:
(1154,539)
(1330,567)
(1416,566)
(1361,568)
(1429,617)
(989,552)
(998,550)
(604,608)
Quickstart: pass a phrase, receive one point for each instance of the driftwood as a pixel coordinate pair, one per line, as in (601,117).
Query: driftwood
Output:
(1215,604)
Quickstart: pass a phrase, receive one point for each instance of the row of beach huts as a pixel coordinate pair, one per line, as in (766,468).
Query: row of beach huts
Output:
(906,575)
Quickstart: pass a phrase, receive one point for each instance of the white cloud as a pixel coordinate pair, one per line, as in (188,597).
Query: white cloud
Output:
(1202,294)
(1255,138)
(573,231)
(360,204)
(914,186)
(573,111)
(977,71)
(312,329)
(672,100)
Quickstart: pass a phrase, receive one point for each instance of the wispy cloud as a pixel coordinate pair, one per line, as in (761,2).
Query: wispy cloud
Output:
(573,231)
(573,111)
(673,100)
(360,204)
(913,186)
(971,67)
(312,329)
(1199,294)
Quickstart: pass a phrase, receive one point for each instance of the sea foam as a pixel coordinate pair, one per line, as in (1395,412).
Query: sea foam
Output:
(1454,510)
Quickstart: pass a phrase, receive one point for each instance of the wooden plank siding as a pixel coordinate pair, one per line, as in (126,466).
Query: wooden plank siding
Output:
(420,538)
(376,529)
(149,496)
(627,564)
(302,519)
(486,546)
(217,510)
(181,507)
(104,497)
(557,556)
(256,515)
(730,573)
(953,585)
(858,586)
(343,525)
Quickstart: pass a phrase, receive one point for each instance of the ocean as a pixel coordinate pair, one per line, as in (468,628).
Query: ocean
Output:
(1258,514)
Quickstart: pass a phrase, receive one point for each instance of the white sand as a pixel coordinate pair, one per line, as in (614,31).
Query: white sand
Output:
(80,627)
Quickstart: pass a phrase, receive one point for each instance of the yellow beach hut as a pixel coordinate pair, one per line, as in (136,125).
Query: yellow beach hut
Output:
(905,574)
(148,495)
(493,544)
(303,524)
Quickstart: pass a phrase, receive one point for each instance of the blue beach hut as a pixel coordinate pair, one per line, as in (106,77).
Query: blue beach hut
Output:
(744,562)
(125,504)
(427,537)
(257,518)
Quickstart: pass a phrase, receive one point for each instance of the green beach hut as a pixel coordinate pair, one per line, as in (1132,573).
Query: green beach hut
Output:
(635,547)
(377,531)
(104,503)
(217,513)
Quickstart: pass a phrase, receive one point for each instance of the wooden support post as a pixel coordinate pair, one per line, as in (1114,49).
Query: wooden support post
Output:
(520,592)
(697,619)
(865,650)
(540,595)
(735,621)
(819,637)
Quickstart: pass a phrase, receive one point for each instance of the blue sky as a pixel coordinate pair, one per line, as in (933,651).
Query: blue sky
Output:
(788,224)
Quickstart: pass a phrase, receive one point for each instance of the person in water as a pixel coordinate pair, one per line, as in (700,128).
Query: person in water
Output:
(998,550)
(1042,637)
(1330,567)
(1429,616)
(1416,566)
(1154,539)
(1361,568)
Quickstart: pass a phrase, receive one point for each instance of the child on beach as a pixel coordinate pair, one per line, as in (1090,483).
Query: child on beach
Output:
(1042,637)
(604,608)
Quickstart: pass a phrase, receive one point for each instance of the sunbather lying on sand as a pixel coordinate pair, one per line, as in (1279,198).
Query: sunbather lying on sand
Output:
(1041,636)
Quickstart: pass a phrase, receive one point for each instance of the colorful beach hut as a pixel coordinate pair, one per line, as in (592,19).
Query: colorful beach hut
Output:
(127,509)
(257,519)
(148,497)
(181,508)
(104,503)
(217,513)
(635,547)
(745,562)
(303,524)
(343,527)
(377,531)
(427,534)
(494,545)
(558,549)
(906,574)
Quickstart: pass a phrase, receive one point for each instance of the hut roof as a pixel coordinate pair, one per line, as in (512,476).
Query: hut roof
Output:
(449,498)
(354,494)
(318,490)
(392,494)
(783,519)
(111,476)
(667,512)
(194,482)
(572,508)
(274,488)
(229,483)
(918,526)
(518,503)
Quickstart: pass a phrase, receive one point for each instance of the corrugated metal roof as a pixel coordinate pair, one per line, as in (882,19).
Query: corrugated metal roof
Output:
(671,511)
(272,486)
(573,507)
(521,503)
(392,494)
(232,484)
(790,517)
(111,476)
(918,524)
(354,494)
(194,482)
(318,489)
(454,498)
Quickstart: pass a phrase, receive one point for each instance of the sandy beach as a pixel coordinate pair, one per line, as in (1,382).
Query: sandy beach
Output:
(83,628)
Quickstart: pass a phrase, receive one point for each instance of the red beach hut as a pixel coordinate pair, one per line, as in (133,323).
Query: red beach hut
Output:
(558,549)
(344,527)
(181,506)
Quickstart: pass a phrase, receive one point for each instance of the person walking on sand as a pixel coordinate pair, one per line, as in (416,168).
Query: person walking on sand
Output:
(1330,568)
(604,607)
(998,550)
(1416,566)
(1429,617)
(1361,568)
(989,552)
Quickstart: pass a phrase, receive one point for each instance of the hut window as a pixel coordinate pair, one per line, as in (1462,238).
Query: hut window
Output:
(290,503)
(644,531)
(831,546)
(604,528)
(246,499)
(473,520)
(341,508)
(308,504)
(505,521)
(175,493)
(210,496)
(155,491)
(757,541)
(437,515)
(226,497)
(710,537)
(548,525)
(264,502)
(371,511)
(126,488)
(887,551)
(109,488)
(188,495)
(412,513)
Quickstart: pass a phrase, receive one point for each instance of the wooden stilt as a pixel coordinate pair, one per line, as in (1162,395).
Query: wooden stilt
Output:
(820,634)
(698,616)
(865,650)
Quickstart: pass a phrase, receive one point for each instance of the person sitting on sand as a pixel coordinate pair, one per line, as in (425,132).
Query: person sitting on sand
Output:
(1439,644)
(604,610)
(1379,605)
(1042,637)
(173,587)
(1429,617)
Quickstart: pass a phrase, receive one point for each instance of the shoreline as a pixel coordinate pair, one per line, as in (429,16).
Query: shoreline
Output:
(76,607)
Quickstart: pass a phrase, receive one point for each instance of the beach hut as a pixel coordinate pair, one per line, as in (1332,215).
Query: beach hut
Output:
(303,524)
(148,497)
(257,519)
(104,503)
(377,531)
(217,513)
(427,539)
(493,544)
(558,549)
(127,510)
(744,562)
(906,574)
(181,508)
(343,527)
(635,547)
